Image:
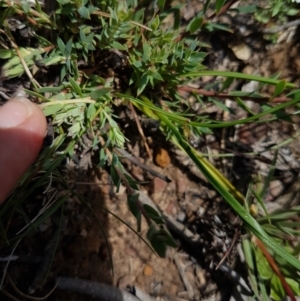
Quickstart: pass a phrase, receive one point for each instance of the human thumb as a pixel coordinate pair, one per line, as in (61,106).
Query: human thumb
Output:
(22,129)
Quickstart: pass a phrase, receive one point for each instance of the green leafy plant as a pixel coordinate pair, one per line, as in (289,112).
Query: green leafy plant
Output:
(153,62)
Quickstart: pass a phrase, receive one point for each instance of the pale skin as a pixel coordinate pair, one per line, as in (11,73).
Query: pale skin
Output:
(22,130)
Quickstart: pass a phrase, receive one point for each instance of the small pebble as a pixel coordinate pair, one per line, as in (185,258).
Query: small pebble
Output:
(162,159)
(148,271)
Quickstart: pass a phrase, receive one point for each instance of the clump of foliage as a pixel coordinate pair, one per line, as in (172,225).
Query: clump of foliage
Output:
(89,44)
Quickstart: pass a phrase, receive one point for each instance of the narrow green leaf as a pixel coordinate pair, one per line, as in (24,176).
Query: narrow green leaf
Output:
(206,6)
(146,51)
(159,247)
(153,214)
(195,24)
(74,129)
(142,83)
(50,110)
(276,8)
(51,89)
(6,54)
(269,177)
(135,210)
(226,84)
(133,184)
(249,9)
(227,191)
(102,158)
(114,176)
(98,93)
(91,111)
(75,86)
(249,258)
(84,12)
(262,204)
(217,26)
(221,105)
(236,75)
(61,45)
(219,5)
(277,291)
(242,105)
(161,4)
(263,267)
(279,88)
(118,46)
(26,6)
(68,48)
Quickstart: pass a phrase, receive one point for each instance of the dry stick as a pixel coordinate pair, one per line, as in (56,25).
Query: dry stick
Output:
(140,130)
(135,161)
(101,291)
(224,95)
(33,81)
(181,270)
(236,234)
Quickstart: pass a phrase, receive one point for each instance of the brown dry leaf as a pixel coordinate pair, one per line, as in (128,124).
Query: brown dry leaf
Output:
(162,158)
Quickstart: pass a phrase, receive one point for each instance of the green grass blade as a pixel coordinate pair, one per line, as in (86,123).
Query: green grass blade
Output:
(238,75)
(226,190)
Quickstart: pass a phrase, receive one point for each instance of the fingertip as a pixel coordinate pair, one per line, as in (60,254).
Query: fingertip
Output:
(23,127)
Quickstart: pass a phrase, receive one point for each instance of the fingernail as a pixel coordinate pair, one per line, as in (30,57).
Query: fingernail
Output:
(15,112)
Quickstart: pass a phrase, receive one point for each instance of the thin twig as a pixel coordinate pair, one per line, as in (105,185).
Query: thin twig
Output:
(135,161)
(181,270)
(138,124)
(228,96)
(236,235)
